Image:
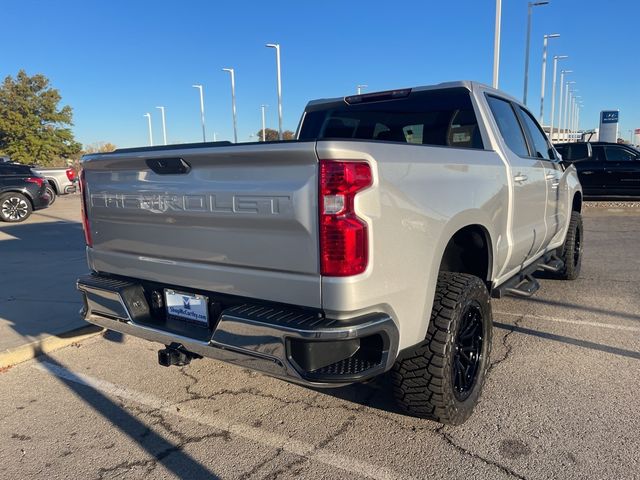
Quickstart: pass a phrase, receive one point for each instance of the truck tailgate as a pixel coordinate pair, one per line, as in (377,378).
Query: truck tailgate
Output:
(242,220)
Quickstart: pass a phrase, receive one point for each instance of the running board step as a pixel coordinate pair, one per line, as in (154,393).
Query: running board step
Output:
(526,288)
(554,265)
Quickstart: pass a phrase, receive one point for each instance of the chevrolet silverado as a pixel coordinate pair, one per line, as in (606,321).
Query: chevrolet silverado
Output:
(372,243)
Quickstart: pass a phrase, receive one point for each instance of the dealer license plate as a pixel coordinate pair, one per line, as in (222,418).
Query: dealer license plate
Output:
(187,306)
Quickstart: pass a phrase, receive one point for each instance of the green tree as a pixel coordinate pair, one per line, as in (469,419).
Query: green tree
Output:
(272,135)
(33,127)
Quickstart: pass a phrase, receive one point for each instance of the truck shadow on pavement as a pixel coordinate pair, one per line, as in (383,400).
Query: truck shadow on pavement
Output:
(162,451)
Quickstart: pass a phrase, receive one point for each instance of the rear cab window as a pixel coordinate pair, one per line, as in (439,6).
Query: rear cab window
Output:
(443,117)
(508,125)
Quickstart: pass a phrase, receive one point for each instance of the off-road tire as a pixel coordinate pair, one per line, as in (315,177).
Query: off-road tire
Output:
(423,376)
(571,252)
(14,207)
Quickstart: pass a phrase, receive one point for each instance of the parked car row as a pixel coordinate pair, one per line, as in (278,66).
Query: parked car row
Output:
(60,181)
(605,169)
(22,190)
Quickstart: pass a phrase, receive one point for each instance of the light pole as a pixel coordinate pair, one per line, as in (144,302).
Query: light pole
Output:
(496,44)
(544,73)
(233,102)
(360,87)
(576,106)
(199,87)
(164,125)
(277,47)
(562,74)
(527,47)
(567,100)
(553,91)
(264,124)
(148,115)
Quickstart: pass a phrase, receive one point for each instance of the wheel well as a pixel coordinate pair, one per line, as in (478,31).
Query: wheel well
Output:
(577,202)
(52,184)
(28,197)
(469,251)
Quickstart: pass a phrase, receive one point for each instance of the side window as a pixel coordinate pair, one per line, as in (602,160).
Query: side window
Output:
(541,146)
(619,154)
(509,126)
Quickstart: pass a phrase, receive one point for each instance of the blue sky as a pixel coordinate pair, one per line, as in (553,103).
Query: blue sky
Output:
(115,60)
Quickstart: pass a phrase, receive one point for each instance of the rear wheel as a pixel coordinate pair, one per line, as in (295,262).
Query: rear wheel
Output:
(14,207)
(571,252)
(442,377)
(52,195)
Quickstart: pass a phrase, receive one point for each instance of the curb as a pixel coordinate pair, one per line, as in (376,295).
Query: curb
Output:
(20,354)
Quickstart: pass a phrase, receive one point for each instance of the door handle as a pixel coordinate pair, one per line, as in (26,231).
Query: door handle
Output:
(551,176)
(520,178)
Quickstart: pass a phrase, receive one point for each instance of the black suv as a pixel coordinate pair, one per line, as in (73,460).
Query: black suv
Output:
(604,169)
(21,192)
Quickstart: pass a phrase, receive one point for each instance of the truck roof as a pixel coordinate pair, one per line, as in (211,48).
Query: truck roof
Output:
(467,84)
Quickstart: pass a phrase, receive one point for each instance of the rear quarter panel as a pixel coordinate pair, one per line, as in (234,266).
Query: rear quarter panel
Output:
(420,197)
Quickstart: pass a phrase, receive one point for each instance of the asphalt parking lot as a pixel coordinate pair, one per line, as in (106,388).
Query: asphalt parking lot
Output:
(561,401)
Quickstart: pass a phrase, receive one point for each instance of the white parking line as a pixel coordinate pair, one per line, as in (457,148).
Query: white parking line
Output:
(257,435)
(574,322)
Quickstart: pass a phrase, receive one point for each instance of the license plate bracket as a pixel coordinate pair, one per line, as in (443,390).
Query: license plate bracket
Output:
(188,307)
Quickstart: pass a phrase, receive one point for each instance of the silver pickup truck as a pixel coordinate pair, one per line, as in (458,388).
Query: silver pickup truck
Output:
(372,243)
(60,180)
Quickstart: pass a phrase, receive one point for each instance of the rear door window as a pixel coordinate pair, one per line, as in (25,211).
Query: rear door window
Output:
(541,147)
(443,117)
(508,125)
(619,154)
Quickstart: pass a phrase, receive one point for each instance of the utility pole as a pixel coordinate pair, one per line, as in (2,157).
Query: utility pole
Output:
(527,48)
(164,125)
(148,115)
(264,123)
(496,44)
(233,102)
(279,80)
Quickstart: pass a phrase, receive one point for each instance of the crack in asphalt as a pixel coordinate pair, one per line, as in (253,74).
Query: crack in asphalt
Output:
(307,404)
(151,464)
(508,347)
(261,464)
(450,441)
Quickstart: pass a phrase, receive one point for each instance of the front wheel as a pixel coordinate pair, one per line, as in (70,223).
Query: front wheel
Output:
(14,207)
(52,195)
(442,377)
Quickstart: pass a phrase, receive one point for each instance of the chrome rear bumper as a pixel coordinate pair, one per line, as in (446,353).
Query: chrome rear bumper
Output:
(286,343)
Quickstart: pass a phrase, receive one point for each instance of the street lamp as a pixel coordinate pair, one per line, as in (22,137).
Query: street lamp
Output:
(544,73)
(164,125)
(527,47)
(148,115)
(562,74)
(553,91)
(199,87)
(496,44)
(360,87)
(233,102)
(567,100)
(264,124)
(576,106)
(277,47)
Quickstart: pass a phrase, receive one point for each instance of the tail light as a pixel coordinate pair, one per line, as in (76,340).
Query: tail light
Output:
(71,174)
(344,243)
(85,219)
(37,180)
